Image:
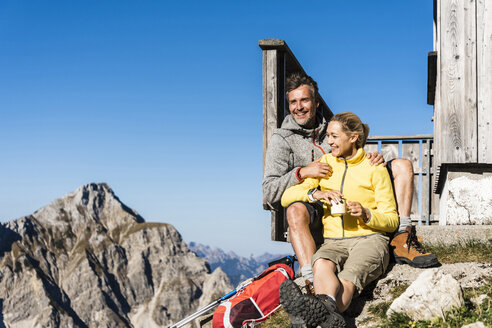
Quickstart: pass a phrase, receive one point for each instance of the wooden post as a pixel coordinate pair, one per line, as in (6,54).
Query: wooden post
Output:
(273,114)
(427,201)
(484,80)
(456,137)
(278,62)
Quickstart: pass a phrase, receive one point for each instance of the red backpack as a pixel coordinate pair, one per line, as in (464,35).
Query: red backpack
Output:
(255,302)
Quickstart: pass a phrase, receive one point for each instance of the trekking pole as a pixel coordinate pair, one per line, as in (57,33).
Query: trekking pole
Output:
(207,308)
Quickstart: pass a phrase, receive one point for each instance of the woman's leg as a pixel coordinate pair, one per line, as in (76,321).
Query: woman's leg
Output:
(327,282)
(368,260)
(345,294)
(325,279)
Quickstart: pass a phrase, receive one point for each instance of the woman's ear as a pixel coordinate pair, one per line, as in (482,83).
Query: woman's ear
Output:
(353,138)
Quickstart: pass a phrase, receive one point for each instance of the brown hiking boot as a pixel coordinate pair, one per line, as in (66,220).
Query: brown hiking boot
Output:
(406,249)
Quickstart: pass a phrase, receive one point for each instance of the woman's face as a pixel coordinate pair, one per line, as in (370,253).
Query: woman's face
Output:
(341,144)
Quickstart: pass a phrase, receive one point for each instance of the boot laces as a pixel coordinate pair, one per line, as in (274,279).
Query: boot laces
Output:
(308,287)
(412,241)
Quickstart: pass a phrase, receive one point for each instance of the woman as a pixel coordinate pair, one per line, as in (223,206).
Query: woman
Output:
(355,251)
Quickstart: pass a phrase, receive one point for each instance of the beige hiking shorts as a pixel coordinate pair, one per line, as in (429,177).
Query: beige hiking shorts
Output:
(359,260)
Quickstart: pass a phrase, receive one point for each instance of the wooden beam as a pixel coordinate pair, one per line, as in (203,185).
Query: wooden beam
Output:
(402,137)
(270,99)
(457,136)
(437,99)
(484,80)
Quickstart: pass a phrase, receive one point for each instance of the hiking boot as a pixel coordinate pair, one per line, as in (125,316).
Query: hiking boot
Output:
(319,310)
(406,249)
(289,293)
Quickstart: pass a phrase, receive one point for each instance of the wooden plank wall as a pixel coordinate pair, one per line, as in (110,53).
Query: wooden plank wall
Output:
(463,101)
(456,117)
(436,164)
(484,80)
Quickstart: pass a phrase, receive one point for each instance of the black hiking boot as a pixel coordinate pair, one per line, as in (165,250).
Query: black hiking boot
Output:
(289,292)
(319,310)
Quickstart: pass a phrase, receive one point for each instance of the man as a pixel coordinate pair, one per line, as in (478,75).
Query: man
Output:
(292,157)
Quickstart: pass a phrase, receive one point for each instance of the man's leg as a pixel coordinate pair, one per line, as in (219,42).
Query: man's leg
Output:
(299,218)
(402,170)
(405,244)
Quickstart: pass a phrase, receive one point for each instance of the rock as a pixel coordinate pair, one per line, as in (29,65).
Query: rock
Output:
(87,260)
(477,301)
(432,294)
(454,234)
(477,324)
(469,274)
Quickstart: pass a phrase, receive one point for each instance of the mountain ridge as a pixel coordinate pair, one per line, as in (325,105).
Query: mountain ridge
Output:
(238,268)
(88,260)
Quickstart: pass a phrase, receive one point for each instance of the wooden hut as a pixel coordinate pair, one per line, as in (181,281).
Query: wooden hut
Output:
(460,88)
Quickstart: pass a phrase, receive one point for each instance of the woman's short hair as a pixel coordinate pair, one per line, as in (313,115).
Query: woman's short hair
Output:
(352,124)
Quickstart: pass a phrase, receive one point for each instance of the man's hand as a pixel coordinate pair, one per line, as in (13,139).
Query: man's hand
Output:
(316,170)
(376,159)
(328,195)
(356,209)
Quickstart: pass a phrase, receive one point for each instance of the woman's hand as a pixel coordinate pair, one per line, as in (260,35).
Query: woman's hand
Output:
(328,195)
(356,209)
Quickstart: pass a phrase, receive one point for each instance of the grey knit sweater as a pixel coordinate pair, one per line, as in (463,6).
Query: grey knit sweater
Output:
(291,147)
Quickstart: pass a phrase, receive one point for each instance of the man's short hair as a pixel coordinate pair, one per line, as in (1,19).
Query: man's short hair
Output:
(295,80)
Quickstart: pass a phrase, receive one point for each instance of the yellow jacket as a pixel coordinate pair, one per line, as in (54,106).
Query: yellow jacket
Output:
(358,181)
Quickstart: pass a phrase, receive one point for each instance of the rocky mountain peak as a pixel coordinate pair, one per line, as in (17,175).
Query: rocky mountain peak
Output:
(87,260)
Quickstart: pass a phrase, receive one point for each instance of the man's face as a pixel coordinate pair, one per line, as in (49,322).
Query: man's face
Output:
(302,106)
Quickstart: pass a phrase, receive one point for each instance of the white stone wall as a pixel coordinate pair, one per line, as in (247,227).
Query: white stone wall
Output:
(466,199)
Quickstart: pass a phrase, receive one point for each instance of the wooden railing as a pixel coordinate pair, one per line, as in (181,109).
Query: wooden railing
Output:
(419,150)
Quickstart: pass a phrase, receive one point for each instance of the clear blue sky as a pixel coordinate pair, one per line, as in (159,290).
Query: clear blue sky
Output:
(163,99)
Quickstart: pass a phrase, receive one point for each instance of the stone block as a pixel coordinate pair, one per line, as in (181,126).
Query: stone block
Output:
(431,295)
(466,199)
